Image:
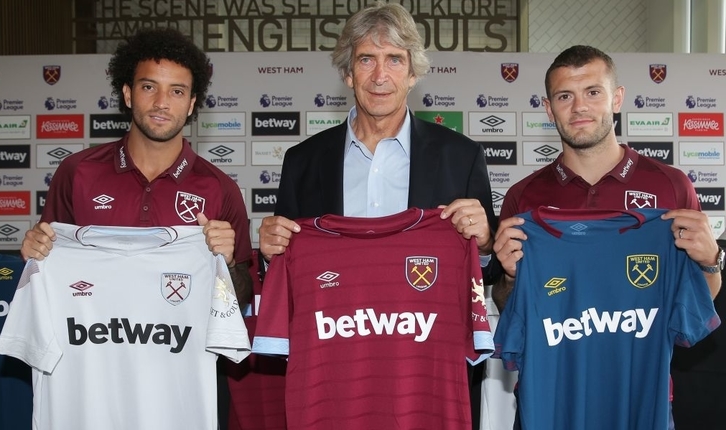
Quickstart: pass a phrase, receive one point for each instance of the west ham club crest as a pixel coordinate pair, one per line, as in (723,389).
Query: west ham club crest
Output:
(658,73)
(510,71)
(640,200)
(188,206)
(175,287)
(51,74)
(421,271)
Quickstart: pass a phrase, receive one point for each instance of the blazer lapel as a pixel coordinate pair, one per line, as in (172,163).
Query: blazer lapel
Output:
(331,172)
(423,174)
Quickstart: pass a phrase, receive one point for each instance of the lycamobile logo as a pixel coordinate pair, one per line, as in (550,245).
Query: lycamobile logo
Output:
(229,125)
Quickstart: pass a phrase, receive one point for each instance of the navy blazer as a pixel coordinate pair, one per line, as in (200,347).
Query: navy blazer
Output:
(445,166)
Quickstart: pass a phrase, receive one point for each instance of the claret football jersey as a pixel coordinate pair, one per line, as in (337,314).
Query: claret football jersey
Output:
(377,317)
(599,301)
(123,326)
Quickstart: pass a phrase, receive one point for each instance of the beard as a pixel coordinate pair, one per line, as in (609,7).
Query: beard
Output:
(584,140)
(157,135)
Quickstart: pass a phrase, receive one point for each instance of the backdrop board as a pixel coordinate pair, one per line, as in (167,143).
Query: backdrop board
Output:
(261,104)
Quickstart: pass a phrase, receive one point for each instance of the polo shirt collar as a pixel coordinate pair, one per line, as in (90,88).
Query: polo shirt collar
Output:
(622,171)
(403,137)
(179,170)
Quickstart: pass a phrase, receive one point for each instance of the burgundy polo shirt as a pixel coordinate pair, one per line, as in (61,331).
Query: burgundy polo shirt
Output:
(637,182)
(102,186)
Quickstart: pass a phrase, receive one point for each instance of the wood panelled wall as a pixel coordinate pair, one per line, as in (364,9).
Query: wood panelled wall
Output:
(36,27)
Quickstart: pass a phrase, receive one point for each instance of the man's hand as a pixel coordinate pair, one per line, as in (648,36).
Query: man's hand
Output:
(38,241)
(508,245)
(219,236)
(470,219)
(275,234)
(692,234)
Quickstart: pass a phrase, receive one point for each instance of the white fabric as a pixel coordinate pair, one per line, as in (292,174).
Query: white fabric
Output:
(115,340)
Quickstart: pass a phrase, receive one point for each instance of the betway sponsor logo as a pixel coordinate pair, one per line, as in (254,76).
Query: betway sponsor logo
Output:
(14,156)
(275,123)
(700,124)
(111,125)
(264,199)
(500,153)
(711,198)
(120,330)
(59,126)
(660,151)
(636,321)
(366,322)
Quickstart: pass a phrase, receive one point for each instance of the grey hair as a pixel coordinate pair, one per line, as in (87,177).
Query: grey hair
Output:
(382,22)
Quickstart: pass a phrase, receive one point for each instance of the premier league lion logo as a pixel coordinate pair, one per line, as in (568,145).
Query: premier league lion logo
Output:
(481,101)
(265,177)
(534,101)
(691,102)
(265,100)
(319,100)
(103,103)
(639,101)
(49,103)
(211,101)
(428,101)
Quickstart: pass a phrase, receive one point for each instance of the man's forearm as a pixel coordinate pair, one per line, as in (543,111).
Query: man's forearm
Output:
(242,282)
(714,283)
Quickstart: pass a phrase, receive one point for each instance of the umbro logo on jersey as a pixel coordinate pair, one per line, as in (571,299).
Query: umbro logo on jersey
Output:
(81,286)
(103,202)
(328,277)
(591,321)
(366,322)
(421,271)
(555,286)
(175,287)
(120,330)
(640,200)
(642,269)
(188,206)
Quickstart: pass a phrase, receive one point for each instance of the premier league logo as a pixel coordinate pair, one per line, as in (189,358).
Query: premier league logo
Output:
(642,269)
(188,206)
(265,177)
(175,287)
(103,103)
(534,101)
(639,102)
(51,74)
(690,102)
(49,103)
(428,101)
(211,101)
(481,101)
(421,272)
(510,71)
(265,100)
(657,73)
(319,100)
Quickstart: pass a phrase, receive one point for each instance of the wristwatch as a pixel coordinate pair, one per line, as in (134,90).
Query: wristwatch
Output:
(719,263)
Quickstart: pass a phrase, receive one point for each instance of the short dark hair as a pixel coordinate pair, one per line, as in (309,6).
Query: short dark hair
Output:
(159,44)
(578,56)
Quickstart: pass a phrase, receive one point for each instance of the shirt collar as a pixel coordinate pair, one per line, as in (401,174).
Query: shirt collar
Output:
(403,137)
(622,171)
(178,171)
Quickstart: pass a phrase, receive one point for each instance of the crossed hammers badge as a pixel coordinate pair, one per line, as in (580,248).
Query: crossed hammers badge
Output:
(421,271)
(642,269)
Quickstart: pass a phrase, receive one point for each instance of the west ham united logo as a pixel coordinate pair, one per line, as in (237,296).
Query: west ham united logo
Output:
(642,269)
(175,287)
(421,271)
(640,200)
(51,74)
(188,206)
(510,71)
(657,73)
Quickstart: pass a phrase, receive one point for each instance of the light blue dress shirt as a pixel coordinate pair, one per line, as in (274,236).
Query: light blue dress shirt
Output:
(376,185)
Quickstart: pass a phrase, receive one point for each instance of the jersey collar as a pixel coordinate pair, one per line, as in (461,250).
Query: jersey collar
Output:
(178,171)
(623,171)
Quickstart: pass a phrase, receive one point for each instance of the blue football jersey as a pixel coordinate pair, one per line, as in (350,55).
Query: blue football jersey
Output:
(600,298)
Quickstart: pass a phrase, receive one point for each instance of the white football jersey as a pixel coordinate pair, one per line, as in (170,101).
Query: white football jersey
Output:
(123,326)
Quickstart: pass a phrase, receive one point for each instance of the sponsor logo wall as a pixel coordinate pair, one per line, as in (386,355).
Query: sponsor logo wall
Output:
(260,106)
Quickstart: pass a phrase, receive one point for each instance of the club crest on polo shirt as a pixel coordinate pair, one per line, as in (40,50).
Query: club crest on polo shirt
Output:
(640,200)
(175,287)
(642,269)
(421,271)
(188,205)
